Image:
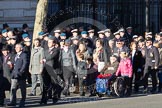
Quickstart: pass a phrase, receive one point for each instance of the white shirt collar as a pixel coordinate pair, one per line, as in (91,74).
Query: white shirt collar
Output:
(51,48)
(19,53)
(149,47)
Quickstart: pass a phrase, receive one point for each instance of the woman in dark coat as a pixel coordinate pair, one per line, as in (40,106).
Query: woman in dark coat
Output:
(82,54)
(92,74)
(138,65)
(100,55)
(5,73)
(6,63)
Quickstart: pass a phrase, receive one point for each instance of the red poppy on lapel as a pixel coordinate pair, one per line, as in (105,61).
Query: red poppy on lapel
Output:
(136,53)
(101,50)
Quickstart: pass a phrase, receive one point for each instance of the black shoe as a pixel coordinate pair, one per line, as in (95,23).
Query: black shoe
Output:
(66,93)
(159,90)
(63,93)
(82,94)
(59,95)
(100,95)
(43,102)
(1,105)
(145,91)
(21,106)
(91,95)
(55,100)
(153,91)
(11,104)
(128,94)
(50,97)
(31,94)
(136,92)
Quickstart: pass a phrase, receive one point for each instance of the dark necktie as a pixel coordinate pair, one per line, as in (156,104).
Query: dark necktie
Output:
(118,52)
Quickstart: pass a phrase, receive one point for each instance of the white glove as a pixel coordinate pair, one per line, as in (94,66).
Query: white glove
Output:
(76,76)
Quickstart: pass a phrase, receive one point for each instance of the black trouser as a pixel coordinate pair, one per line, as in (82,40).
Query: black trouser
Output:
(137,76)
(2,91)
(46,86)
(28,74)
(14,86)
(82,84)
(149,71)
(91,81)
(2,96)
(49,80)
(160,80)
(111,79)
(67,75)
(160,87)
(128,84)
(29,78)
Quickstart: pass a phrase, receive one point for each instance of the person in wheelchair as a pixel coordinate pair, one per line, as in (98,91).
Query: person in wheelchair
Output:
(110,68)
(125,71)
(107,76)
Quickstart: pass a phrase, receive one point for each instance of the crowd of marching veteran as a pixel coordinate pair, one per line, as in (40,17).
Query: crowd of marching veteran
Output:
(76,57)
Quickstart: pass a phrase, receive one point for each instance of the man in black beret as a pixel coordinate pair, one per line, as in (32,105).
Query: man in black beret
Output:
(25,30)
(6,26)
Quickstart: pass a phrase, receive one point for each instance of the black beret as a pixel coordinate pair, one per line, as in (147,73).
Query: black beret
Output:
(5,48)
(5,25)
(24,26)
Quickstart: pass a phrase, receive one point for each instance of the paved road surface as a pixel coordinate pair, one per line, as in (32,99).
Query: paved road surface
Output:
(75,101)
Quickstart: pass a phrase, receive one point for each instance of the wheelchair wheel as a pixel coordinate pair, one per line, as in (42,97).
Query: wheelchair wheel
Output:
(119,87)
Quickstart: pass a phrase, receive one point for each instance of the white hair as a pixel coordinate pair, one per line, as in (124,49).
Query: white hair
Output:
(20,45)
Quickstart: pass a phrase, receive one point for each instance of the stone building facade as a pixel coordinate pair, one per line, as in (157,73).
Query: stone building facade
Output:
(17,12)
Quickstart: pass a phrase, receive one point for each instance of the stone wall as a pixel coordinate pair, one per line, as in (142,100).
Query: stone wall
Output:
(17,12)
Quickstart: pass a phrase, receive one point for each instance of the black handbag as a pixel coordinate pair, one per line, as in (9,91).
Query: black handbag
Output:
(57,79)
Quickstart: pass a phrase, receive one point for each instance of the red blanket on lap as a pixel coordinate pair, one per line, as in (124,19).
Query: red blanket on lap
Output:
(104,75)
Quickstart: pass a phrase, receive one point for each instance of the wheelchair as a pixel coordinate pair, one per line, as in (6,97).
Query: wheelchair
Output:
(115,88)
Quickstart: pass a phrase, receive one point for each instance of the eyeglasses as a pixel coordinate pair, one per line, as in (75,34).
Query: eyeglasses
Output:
(118,43)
